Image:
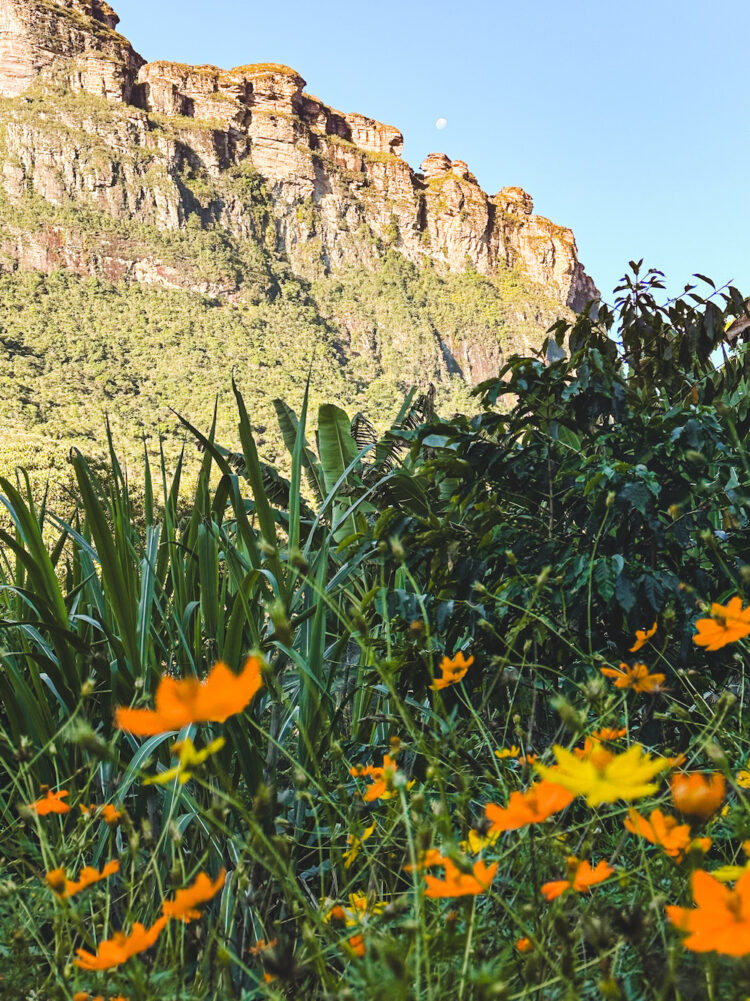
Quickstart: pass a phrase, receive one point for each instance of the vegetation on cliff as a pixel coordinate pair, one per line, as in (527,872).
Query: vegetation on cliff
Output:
(487,737)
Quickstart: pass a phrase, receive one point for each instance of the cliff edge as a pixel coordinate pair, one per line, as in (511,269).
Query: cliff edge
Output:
(179,144)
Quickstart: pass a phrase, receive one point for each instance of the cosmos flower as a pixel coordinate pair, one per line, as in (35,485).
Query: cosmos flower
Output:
(698,795)
(476,842)
(452,671)
(63,887)
(184,905)
(355,845)
(662,830)
(382,776)
(720,921)
(530,807)
(180,702)
(581,877)
(357,944)
(51,802)
(458,883)
(642,636)
(426,860)
(635,677)
(115,951)
(190,759)
(605,777)
(728,623)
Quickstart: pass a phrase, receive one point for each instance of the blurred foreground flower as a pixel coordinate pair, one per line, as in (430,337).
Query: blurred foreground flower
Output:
(728,623)
(452,671)
(458,883)
(115,951)
(63,887)
(698,795)
(581,877)
(184,905)
(720,921)
(530,807)
(180,702)
(604,777)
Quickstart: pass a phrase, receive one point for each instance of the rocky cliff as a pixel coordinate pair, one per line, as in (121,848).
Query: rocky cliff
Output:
(96,143)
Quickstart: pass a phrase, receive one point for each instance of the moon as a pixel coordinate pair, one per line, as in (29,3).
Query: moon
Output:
(441,123)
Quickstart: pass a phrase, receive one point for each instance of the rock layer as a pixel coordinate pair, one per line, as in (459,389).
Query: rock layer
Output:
(173,153)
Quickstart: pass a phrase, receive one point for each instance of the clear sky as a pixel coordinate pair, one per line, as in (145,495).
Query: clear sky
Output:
(628,122)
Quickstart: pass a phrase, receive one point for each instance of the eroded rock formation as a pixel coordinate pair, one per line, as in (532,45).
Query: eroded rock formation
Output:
(178,137)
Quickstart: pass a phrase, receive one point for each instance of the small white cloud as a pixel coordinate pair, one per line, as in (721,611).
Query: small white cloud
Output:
(441,123)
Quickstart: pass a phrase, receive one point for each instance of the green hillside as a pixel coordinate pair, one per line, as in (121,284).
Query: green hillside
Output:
(75,350)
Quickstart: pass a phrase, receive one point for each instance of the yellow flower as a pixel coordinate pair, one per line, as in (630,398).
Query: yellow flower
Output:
(508,752)
(604,777)
(730,873)
(189,760)
(361,907)
(476,842)
(356,845)
(743,779)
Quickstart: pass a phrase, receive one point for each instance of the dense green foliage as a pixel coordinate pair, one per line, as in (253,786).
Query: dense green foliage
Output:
(610,490)
(120,189)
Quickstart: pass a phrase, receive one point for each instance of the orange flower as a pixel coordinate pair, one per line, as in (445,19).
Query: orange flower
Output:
(697,795)
(262,946)
(427,859)
(110,814)
(581,877)
(184,904)
(118,950)
(179,703)
(85,996)
(51,802)
(357,945)
(635,677)
(68,888)
(461,884)
(642,636)
(661,830)
(530,807)
(608,733)
(720,921)
(382,778)
(727,625)
(453,671)
(524,945)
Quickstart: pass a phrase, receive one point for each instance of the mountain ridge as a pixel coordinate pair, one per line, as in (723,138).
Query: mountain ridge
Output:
(330,173)
(163,225)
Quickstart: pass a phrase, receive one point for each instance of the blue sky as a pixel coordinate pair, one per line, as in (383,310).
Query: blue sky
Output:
(630,123)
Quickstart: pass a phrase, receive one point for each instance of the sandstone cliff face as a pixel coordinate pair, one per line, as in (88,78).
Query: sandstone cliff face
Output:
(75,39)
(174,149)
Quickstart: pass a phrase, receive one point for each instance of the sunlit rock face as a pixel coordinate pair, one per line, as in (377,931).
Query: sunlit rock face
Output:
(340,190)
(67,41)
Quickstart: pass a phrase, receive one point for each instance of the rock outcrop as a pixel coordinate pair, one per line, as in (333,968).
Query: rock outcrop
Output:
(72,41)
(177,151)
